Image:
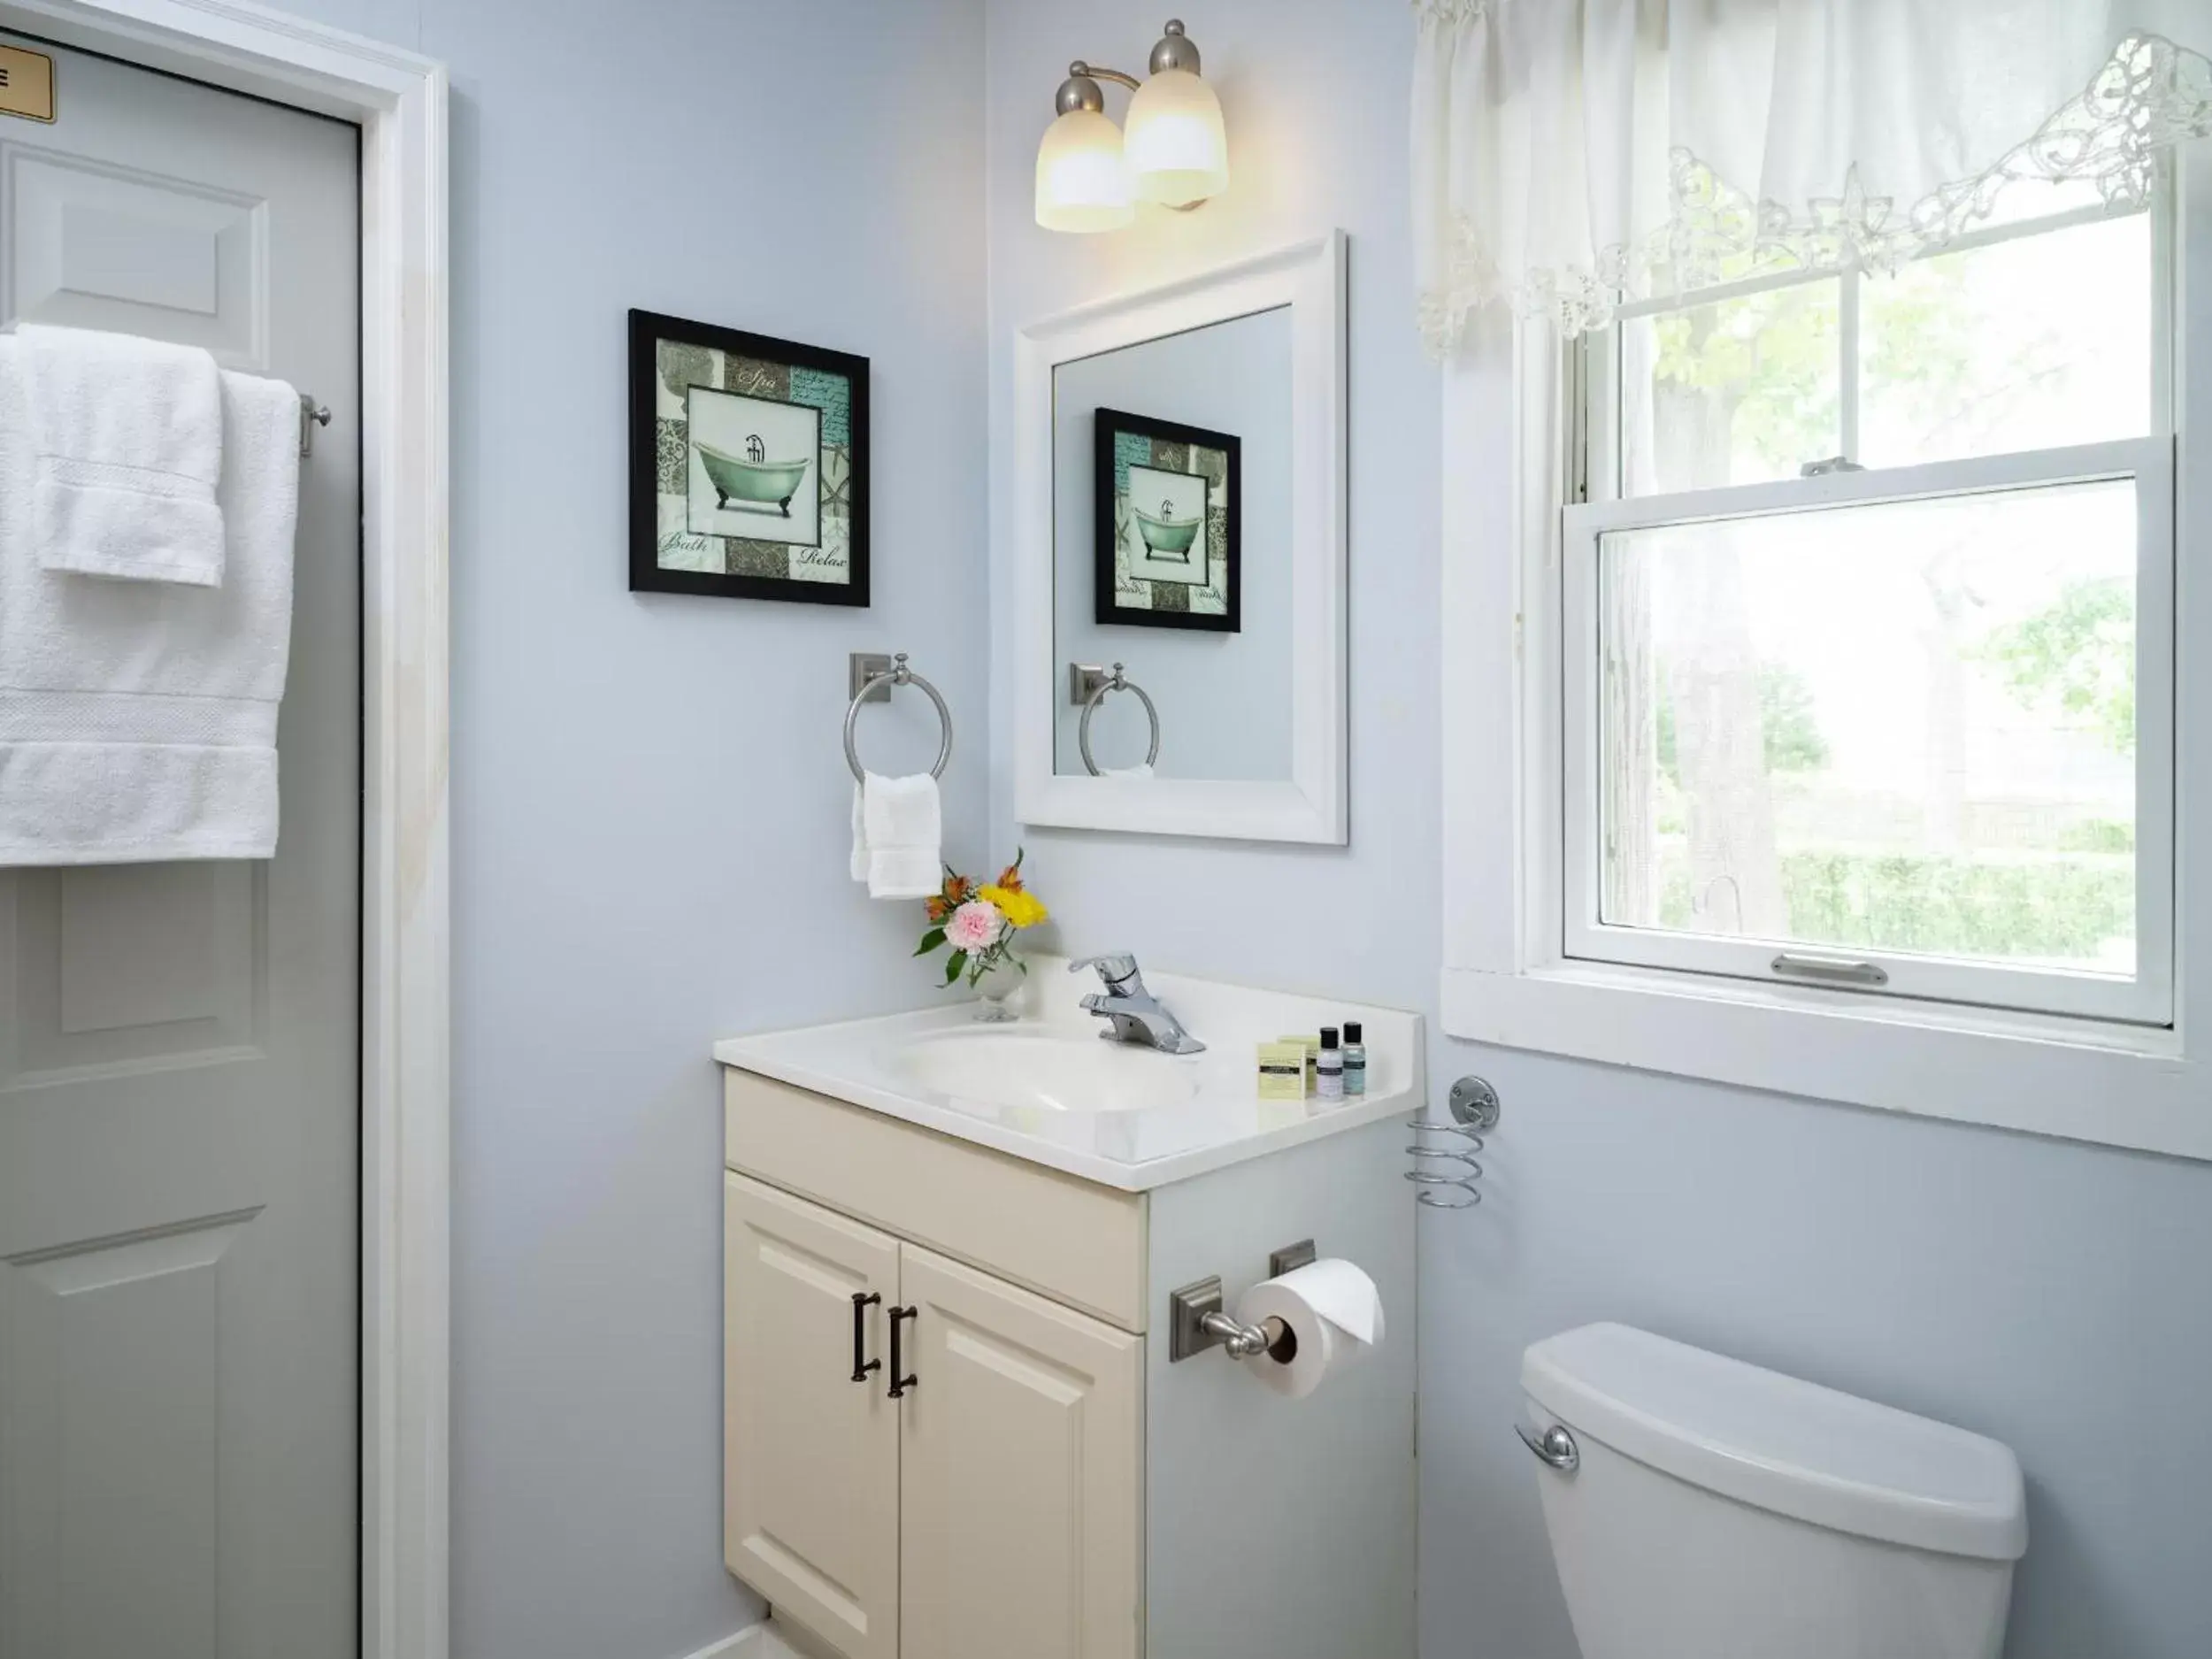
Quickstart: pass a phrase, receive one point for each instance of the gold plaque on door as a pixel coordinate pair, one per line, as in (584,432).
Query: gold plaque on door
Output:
(27,84)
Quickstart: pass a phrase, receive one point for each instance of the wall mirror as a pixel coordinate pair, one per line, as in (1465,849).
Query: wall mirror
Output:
(1180,579)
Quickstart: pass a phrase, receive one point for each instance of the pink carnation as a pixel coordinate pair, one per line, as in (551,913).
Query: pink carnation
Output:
(975,926)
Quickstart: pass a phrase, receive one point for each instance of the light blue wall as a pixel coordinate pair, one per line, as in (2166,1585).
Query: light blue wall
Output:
(650,804)
(2048,1294)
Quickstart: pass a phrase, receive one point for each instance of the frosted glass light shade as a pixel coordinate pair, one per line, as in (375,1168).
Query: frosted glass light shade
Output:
(1081,181)
(1176,150)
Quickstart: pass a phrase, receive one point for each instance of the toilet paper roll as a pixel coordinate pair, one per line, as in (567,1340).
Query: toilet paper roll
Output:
(1333,1311)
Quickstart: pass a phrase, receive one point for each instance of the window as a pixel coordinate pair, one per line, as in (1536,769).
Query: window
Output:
(1866,627)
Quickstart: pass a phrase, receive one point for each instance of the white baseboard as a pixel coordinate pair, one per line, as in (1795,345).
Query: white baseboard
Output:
(765,1641)
(752,1642)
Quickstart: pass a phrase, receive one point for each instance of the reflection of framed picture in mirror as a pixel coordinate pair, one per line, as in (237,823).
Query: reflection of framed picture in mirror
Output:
(748,464)
(1168,504)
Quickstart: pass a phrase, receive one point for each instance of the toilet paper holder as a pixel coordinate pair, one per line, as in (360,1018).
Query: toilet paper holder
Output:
(1197,1320)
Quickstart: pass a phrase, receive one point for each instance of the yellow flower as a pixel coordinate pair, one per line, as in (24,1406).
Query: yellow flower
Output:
(1021,909)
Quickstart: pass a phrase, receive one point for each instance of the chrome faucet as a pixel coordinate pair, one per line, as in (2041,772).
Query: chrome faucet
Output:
(1131,1010)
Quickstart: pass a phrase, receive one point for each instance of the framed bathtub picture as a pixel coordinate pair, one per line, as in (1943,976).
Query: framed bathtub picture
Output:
(748,464)
(1168,513)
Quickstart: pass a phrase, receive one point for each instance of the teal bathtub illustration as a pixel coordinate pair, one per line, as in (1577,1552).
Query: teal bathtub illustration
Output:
(756,480)
(1167,535)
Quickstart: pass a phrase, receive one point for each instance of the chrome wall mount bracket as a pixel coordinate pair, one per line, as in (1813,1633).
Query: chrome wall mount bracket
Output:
(1197,1321)
(861,667)
(1475,1104)
(1290,1258)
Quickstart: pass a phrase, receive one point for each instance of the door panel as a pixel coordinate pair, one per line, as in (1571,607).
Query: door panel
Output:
(95,245)
(810,1458)
(1021,1474)
(179,1043)
(114,1391)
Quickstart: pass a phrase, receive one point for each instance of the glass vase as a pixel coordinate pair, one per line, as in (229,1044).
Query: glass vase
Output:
(998,992)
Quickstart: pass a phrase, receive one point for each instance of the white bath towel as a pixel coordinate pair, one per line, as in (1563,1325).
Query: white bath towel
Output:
(138,719)
(128,436)
(901,827)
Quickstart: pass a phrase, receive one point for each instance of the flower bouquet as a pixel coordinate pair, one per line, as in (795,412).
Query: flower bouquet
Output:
(979,921)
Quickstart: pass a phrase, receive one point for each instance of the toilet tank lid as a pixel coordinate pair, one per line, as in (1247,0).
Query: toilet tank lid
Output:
(1781,1444)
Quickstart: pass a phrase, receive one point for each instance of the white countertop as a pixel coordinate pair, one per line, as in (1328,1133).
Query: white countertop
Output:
(1223,1122)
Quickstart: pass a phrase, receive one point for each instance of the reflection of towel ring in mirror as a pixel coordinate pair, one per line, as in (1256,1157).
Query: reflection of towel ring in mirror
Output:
(1115,681)
(898,674)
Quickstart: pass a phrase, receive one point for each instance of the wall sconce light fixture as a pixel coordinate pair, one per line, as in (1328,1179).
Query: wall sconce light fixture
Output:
(1091,174)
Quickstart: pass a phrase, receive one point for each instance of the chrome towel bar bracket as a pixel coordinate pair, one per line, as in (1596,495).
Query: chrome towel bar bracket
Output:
(872,678)
(312,415)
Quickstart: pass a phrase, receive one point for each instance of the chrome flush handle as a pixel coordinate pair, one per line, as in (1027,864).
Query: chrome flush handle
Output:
(1555,1446)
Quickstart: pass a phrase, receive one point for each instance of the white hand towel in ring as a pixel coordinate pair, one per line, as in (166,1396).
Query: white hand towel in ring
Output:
(901,824)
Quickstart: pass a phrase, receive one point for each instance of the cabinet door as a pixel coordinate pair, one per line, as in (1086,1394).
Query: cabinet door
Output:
(1021,1474)
(810,1475)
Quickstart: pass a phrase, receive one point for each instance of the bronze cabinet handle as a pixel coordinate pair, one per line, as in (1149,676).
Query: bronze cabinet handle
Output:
(900,1383)
(862,1364)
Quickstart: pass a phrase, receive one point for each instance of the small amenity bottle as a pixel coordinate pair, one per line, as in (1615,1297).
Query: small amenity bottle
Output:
(1329,1072)
(1354,1059)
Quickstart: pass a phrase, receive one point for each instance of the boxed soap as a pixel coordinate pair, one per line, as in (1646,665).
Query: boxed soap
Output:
(1283,1071)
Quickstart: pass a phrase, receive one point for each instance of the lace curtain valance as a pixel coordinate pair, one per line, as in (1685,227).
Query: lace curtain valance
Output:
(1569,155)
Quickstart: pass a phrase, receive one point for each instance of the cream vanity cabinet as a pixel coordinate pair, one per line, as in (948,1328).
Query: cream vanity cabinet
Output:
(980,1495)
(923,1458)
(1017,1473)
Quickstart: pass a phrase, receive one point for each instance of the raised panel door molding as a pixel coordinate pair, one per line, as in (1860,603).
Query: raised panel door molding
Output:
(810,1475)
(111,1395)
(94,245)
(1021,1474)
(111,970)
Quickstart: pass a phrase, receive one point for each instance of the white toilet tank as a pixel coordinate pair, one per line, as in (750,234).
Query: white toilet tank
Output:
(1714,1511)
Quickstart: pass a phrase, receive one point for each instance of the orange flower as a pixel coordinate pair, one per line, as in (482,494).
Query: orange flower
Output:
(937,910)
(958,890)
(1011,878)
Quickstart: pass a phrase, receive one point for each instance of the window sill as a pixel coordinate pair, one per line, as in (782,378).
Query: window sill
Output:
(2114,1085)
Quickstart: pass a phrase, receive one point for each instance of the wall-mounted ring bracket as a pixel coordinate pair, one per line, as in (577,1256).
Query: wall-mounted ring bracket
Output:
(863,666)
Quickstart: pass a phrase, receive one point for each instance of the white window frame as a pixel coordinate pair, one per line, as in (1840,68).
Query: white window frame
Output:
(2132,1074)
(2143,998)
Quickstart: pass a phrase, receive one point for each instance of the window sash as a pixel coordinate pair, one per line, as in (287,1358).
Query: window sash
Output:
(1596,451)
(2147,997)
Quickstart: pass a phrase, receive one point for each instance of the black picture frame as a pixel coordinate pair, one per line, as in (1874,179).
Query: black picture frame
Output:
(1109,424)
(650,464)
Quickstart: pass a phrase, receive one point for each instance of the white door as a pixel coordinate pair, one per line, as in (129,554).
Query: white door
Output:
(1021,1490)
(178,1080)
(809,1432)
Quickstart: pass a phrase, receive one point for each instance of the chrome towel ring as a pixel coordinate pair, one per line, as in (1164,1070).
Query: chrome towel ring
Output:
(897,674)
(1115,681)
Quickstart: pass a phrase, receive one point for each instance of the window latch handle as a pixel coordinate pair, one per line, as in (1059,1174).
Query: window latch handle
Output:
(1833,463)
(1834,969)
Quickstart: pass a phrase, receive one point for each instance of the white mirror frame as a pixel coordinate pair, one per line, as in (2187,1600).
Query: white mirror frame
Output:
(1311,804)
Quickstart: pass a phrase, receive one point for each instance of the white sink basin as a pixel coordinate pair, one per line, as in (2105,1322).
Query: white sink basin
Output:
(1052,1073)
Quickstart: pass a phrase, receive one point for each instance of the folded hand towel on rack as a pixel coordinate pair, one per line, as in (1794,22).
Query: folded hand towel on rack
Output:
(902,834)
(129,440)
(138,719)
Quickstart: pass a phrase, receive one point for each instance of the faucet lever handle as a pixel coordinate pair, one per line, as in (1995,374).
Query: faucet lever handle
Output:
(1115,967)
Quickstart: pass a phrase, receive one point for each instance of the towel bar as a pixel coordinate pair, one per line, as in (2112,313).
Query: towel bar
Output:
(883,678)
